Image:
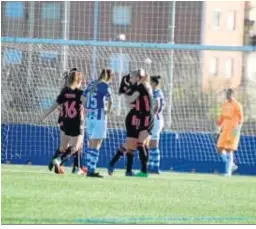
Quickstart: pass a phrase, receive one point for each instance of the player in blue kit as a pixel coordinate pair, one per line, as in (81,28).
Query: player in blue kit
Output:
(159,105)
(98,102)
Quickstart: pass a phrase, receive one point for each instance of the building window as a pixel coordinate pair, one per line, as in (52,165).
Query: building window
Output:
(231,23)
(119,62)
(48,59)
(51,11)
(122,15)
(216,19)
(12,56)
(229,68)
(14,9)
(213,70)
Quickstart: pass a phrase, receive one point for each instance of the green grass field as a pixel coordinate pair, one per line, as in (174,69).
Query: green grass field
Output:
(32,195)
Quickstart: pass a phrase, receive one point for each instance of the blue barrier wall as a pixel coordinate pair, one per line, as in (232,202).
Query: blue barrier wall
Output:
(184,152)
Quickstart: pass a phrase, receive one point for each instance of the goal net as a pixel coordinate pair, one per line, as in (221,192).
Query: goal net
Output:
(32,78)
(41,40)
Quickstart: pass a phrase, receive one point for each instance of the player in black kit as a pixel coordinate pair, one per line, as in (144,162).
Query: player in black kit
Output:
(72,121)
(143,98)
(131,131)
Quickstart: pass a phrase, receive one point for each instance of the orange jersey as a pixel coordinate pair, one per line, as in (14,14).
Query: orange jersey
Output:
(231,115)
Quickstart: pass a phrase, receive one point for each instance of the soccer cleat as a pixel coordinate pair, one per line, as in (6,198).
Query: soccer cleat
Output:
(97,175)
(129,174)
(50,166)
(55,160)
(141,174)
(110,170)
(234,167)
(78,171)
(84,169)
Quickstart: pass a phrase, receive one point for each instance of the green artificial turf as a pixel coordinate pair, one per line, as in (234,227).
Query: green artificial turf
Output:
(33,195)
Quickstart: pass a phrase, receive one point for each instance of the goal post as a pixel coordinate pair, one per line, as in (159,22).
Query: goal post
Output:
(188,123)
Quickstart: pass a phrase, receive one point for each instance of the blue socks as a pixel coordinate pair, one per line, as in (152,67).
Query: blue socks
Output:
(154,160)
(223,157)
(227,158)
(92,159)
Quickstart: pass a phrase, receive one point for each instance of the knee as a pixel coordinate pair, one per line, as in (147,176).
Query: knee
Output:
(130,152)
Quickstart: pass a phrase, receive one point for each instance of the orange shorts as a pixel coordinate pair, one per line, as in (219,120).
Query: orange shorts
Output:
(227,140)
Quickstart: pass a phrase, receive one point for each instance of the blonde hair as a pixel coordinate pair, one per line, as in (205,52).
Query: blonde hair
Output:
(105,75)
(74,77)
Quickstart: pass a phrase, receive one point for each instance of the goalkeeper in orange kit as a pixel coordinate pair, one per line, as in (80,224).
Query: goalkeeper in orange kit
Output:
(229,126)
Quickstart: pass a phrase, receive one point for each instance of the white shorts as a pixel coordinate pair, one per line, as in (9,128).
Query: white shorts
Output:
(158,126)
(96,129)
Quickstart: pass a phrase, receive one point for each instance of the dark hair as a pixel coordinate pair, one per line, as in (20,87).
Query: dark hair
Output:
(73,69)
(155,79)
(230,90)
(106,74)
(125,83)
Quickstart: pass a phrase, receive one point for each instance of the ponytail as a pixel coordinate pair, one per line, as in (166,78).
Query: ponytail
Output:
(155,79)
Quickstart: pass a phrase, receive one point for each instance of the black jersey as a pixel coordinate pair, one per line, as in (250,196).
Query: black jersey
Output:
(144,108)
(72,111)
(145,100)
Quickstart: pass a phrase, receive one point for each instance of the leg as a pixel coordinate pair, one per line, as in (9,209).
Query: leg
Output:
(129,144)
(93,153)
(120,153)
(143,154)
(229,162)
(78,161)
(130,156)
(154,156)
(63,146)
(75,142)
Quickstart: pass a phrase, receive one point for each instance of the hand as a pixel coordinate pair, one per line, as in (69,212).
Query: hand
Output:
(143,79)
(216,132)
(237,130)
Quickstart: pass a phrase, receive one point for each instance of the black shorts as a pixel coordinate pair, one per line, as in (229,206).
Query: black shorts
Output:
(132,130)
(72,129)
(146,123)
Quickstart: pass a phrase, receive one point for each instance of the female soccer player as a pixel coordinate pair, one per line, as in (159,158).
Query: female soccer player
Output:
(60,109)
(95,97)
(229,123)
(139,121)
(158,105)
(77,157)
(130,145)
(145,118)
(142,96)
(73,116)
